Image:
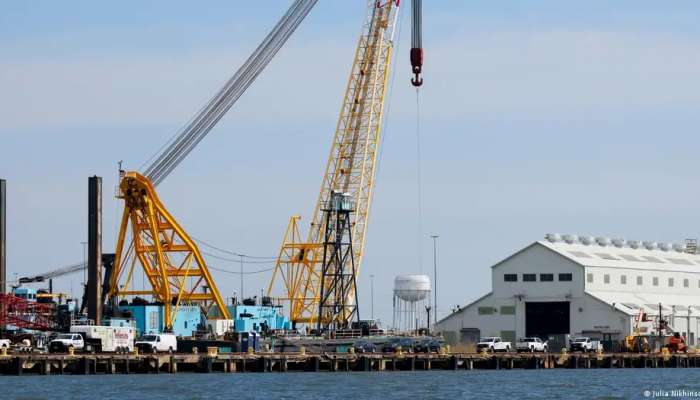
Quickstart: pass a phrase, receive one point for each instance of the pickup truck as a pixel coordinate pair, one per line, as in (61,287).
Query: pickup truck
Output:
(584,344)
(65,341)
(493,344)
(531,344)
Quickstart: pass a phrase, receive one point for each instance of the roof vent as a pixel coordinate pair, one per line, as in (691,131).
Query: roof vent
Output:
(553,237)
(679,247)
(665,246)
(618,242)
(603,241)
(570,239)
(635,244)
(587,240)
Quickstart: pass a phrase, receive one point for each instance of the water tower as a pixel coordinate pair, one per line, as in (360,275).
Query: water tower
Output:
(411,292)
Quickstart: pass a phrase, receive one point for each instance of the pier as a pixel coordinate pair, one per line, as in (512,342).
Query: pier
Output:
(91,364)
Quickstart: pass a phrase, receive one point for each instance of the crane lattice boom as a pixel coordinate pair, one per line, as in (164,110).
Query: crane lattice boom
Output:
(350,169)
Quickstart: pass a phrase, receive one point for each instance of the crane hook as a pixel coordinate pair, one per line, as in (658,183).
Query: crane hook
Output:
(417,66)
(417,80)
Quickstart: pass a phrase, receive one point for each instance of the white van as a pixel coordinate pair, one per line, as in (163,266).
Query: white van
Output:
(156,343)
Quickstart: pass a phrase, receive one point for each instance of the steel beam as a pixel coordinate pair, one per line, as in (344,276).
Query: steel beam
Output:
(94,296)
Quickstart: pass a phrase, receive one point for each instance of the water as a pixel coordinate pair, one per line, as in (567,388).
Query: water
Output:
(515,384)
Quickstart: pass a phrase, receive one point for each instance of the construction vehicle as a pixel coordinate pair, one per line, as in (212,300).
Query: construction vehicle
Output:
(636,342)
(676,343)
(149,235)
(318,286)
(662,337)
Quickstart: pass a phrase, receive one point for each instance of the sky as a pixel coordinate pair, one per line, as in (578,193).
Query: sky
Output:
(535,117)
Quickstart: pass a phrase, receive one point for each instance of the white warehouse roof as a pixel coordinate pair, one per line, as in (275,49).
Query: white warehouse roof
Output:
(664,257)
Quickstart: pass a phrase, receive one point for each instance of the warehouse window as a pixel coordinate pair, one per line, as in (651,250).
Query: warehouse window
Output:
(670,282)
(565,277)
(686,283)
(655,281)
(640,280)
(529,277)
(507,310)
(510,277)
(546,277)
(589,278)
(486,310)
(623,279)
(606,278)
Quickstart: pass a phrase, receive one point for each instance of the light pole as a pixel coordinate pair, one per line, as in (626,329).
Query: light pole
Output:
(371,280)
(687,330)
(434,237)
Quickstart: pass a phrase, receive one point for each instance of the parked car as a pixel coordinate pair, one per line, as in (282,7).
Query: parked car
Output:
(66,341)
(493,344)
(585,344)
(157,343)
(531,344)
(364,346)
(428,346)
(392,345)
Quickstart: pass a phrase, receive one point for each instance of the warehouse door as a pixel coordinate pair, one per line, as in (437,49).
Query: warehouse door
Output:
(545,319)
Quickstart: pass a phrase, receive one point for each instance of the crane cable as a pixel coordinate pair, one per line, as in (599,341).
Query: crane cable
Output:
(209,115)
(241,273)
(416,57)
(419,181)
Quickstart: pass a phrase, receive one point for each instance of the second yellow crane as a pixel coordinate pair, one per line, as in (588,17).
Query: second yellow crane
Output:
(350,170)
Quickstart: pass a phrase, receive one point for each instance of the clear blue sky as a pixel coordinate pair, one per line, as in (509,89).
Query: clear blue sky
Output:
(538,116)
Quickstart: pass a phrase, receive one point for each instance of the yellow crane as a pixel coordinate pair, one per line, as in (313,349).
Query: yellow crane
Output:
(350,170)
(149,236)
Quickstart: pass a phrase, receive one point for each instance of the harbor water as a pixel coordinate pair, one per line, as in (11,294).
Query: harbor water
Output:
(515,384)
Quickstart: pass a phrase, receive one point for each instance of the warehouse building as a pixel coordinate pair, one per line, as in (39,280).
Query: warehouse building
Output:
(569,285)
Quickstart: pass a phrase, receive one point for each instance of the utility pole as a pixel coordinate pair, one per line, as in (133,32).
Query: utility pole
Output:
(434,237)
(371,280)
